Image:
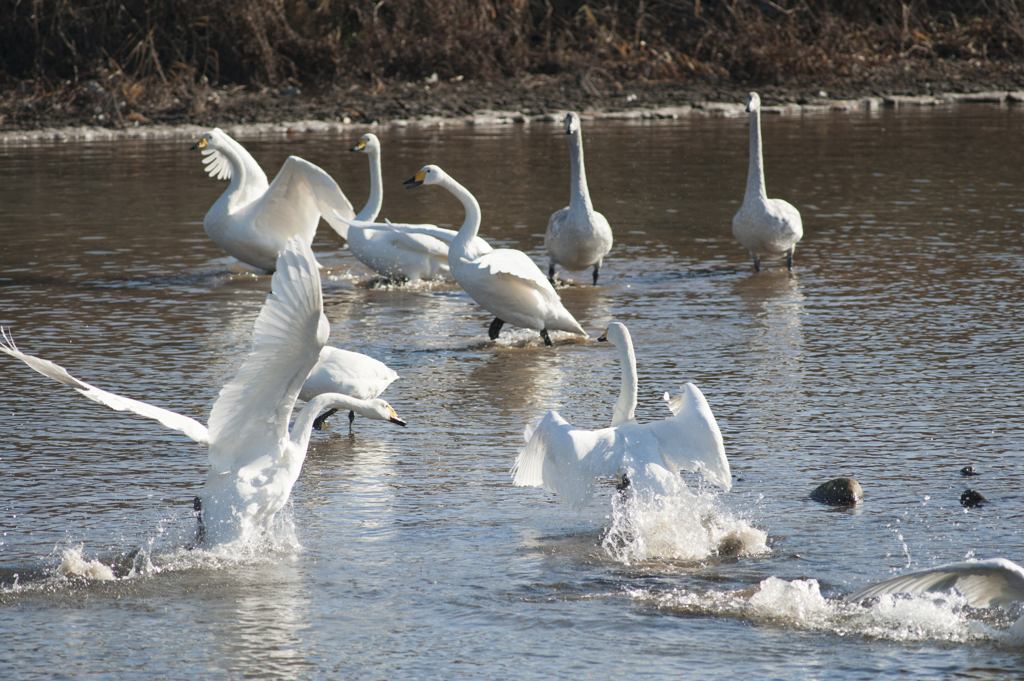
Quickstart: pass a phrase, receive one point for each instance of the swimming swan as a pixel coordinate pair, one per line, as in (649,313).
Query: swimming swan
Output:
(567,460)
(578,236)
(503,281)
(252,220)
(769,227)
(346,372)
(394,254)
(984,583)
(254,459)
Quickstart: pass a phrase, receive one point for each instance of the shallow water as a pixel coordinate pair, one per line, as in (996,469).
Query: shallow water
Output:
(892,353)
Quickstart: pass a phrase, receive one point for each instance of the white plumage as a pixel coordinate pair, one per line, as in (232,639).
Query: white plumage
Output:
(568,461)
(578,236)
(984,583)
(254,458)
(765,227)
(349,373)
(504,281)
(252,220)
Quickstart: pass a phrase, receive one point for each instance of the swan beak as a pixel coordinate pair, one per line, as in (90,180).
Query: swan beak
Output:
(201,144)
(416,180)
(603,337)
(359,146)
(394,418)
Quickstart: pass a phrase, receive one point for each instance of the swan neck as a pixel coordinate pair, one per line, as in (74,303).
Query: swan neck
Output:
(376,200)
(579,195)
(302,428)
(471,226)
(625,407)
(755,173)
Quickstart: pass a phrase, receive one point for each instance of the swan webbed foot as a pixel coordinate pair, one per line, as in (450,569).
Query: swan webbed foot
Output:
(596,268)
(495,328)
(351,418)
(546,337)
(789,260)
(757,262)
(320,422)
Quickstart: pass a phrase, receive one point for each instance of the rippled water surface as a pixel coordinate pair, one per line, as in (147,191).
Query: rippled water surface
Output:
(892,353)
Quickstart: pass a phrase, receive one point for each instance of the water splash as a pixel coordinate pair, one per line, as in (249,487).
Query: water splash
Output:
(682,526)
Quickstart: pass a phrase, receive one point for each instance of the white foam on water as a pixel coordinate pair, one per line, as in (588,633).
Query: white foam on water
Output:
(681,526)
(72,564)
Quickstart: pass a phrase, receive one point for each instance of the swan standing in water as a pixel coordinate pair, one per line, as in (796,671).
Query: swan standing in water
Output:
(503,281)
(568,461)
(346,372)
(394,254)
(578,236)
(252,220)
(254,459)
(768,227)
(984,583)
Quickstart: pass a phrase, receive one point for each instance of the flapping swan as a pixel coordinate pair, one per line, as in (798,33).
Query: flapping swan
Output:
(254,459)
(578,236)
(394,254)
(504,281)
(984,583)
(567,460)
(768,227)
(252,220)
(346,372)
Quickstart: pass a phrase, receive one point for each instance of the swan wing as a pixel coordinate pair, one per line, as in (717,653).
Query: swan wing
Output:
(983,583)
(190,427)
(217,165)
(348,373)
(298,196)
(253,411)
(516,265)
(566,460)
(478,245)
(691,439)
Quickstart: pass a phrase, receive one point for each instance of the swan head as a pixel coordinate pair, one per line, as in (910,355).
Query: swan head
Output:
(427,175)
(572,122)
(753,102)
(380,410)
(210,139)
(615,334)
(367,143)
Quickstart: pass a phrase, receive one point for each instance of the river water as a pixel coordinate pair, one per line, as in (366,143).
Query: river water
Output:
(892,354)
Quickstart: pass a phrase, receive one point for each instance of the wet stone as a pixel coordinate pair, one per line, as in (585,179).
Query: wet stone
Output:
(972,498)
(838,492)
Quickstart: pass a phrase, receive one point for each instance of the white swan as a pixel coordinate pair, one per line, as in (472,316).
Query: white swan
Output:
(578,236)
(984,583)
(394,254)
(769,227)
(503,281)
(252,219)
(346,372)
(567,460)
(254,459)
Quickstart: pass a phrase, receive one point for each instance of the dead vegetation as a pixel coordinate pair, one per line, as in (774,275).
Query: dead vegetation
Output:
(126,60)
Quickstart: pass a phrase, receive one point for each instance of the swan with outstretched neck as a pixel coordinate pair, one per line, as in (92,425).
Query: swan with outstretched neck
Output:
(578,236)
(252,220)
(765,227)
(392,253)
(504,281)
(254,458)
(646,458)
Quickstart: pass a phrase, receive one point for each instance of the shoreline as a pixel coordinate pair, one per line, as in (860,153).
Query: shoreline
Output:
(495,117)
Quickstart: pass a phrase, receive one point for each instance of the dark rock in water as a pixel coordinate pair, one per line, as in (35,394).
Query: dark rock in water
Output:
(838,492)
(972,498)
(969,470)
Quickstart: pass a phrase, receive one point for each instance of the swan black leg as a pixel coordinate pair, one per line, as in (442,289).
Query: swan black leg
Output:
(197,507)
(596,268)
(551,273)
(546,337)
(351,418)
(789,259)
(320,422)
(757,262)
(495,328)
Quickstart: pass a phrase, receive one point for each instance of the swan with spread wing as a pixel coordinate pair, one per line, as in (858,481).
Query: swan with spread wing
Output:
(254,457)
(568,461)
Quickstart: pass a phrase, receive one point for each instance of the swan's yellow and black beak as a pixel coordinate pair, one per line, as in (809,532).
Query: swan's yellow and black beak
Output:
(604,336)
(394,418)
(416,180)
(201,144)
(359,146)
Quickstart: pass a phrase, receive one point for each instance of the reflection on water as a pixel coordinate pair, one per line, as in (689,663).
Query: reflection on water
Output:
(892,353)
